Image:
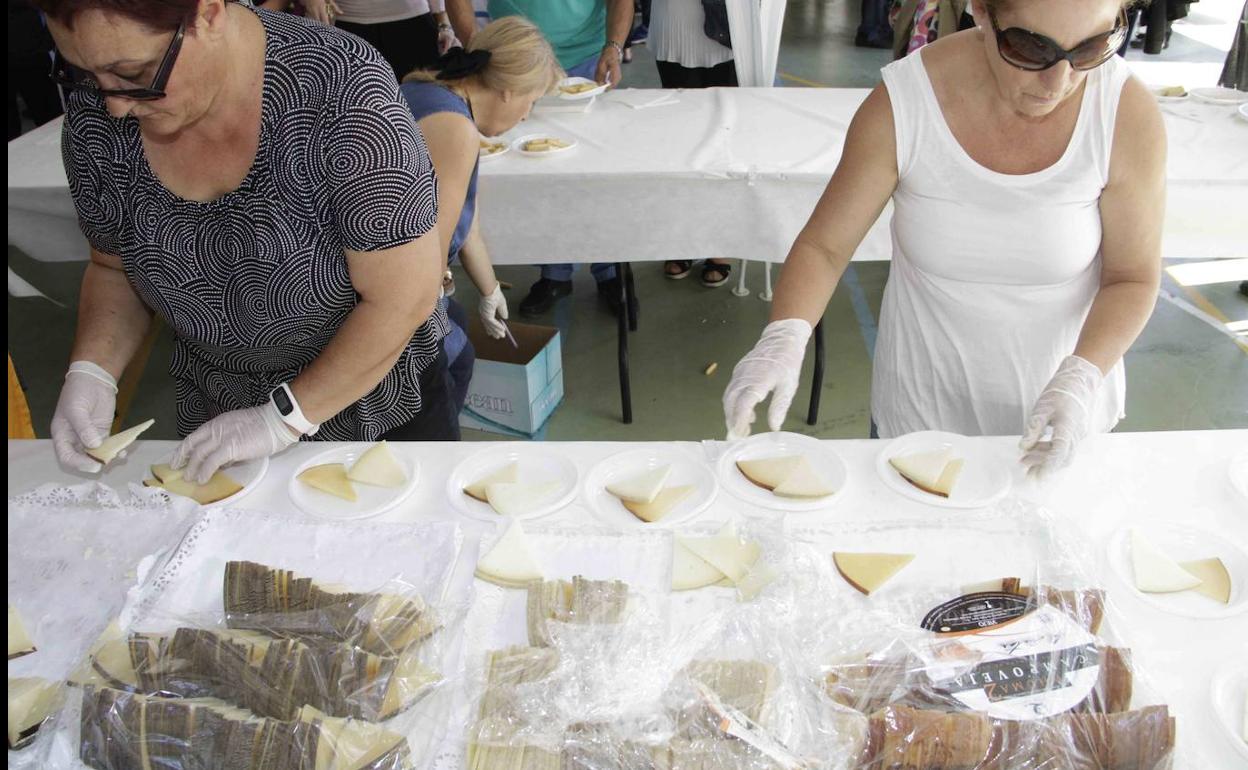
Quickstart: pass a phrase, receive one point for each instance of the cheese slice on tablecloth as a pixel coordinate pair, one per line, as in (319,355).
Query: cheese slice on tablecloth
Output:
(112,446)
(804,483)
(331,479)
(663,504)
(508,474)
(690,571)
(378,467)
(867,572)
(31,700)
(510,562)
(1215,580)
(19,642)
(726,552)
(1156,573)
(519,498)
(768,473)
(642,488)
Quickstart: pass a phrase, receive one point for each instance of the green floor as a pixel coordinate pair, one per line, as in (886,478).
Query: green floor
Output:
(1185,372)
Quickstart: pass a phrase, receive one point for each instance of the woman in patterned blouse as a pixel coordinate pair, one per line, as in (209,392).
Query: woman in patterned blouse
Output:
(256,180)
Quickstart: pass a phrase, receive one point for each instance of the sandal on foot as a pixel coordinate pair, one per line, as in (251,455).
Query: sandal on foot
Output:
(677,268)
(714,275)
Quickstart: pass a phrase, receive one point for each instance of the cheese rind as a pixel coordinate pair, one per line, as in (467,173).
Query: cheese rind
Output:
(330,479)
(1215,579)
(867,572)
(804,483)
(378,467)
(643,488)
(1155,572)
(19,642)
(508,474)
(935,471)
(663,504)
(768,473)
(112,446)
(510,562)
(519,498)
(690,571)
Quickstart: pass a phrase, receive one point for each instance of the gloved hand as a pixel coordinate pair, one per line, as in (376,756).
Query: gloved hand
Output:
(237,436)
(1065,405)
(772,367)
(84,415)
(447,39)
(492,307)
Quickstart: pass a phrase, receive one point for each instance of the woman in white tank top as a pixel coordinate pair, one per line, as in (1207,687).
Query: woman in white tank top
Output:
(1027,172)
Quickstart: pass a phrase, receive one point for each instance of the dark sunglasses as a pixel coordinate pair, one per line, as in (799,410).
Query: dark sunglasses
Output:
(69,76)
(1032,51)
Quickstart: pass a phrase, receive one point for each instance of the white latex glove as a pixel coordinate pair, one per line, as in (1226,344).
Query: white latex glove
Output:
(773,366)
(1065,405)
(84,415)
(237,436)
(492,307)
(447,40)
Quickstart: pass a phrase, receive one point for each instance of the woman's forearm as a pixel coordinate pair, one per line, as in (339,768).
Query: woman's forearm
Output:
(476,260)
(807,280)
(112,320)
(1118,315)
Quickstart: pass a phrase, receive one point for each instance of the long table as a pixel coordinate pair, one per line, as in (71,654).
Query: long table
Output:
(730,173)
(1119,480)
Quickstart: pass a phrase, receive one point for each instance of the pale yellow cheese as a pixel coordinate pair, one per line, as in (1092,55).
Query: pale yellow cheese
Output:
(1155,572)
(330,479)
(219,487)
(519,498)
(112,446)
(378,467)
(804,482)
(31,700)
(508,474)
(1215,580)
(690,571)
(642,488)
(768,473)
(935,471)
(726,552)
(510,562)
(949,477)
(19,642)
(867,572)
(663,504)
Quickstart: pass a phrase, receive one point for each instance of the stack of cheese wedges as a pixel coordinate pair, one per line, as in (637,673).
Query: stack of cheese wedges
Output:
(723,559)
(646,497)
(791,476)
(378,467)
(934,472)
(1157,573)
(506,493)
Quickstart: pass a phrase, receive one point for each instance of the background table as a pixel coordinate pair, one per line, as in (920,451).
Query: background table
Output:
(730,173)
(1119,479)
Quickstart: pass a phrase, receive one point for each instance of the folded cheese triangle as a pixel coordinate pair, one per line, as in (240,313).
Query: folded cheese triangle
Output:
(112,446)
(378,467)
(726,552)
(331,479)
(519,498)
(768,473)
(642,488)
(508,474)
(1155,572)
(510,562)
(1215,579)
(690,571)
(804,482)
(663,504)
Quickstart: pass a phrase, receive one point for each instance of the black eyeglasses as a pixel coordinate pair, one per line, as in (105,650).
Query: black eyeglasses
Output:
(69,76)
(1032,51)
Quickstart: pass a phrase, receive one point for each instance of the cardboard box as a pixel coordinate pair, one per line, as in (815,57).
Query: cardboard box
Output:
(514,390)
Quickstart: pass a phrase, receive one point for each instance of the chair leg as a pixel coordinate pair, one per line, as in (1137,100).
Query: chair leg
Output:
(816,386)
(626,392)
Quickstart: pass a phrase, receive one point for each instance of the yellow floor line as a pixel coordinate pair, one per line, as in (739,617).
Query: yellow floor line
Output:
(1208,307)
(803,81)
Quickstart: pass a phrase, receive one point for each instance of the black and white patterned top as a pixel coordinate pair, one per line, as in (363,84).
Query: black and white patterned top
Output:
(255,283)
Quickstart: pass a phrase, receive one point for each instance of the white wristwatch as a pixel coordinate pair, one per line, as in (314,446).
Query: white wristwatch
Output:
(291,414)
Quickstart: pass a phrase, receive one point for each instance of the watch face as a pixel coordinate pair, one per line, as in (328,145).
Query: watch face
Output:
(283,402)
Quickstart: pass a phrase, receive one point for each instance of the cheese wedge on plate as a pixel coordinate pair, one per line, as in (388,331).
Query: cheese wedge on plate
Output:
(378,467)
(867,572)
(219,487)
(510,562)
(803,483)
(663,504)
(508,474)
(771,472)
(935,471)
(690,571)
(1215,580)
(331,479)
(1156,573)
(642,488)
(31,700)
(19,642)
(112,446)
(519,498)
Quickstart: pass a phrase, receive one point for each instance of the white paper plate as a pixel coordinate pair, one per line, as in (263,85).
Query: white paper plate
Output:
(987,474)
(249,474)
(518,145)
(1243,111)
(1228,692)
(536,465)
(1239,472)
(1184,543)
(827,463)
(483,155)
(590,94)
(372,501)
(687,468)
(1156,92)
(1220,95)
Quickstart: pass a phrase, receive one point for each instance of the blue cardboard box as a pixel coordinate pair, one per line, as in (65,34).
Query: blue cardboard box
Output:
(514,390)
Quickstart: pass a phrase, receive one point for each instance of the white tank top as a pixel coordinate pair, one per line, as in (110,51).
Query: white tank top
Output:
(992,274)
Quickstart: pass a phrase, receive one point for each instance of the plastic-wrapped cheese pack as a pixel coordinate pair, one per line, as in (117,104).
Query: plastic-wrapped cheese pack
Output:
(312,659)
(990,649)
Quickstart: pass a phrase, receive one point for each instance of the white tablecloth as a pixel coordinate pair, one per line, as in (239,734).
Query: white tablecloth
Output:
(1120,479)
(723,172)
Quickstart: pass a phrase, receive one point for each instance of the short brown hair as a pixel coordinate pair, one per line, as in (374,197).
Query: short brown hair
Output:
(159,15)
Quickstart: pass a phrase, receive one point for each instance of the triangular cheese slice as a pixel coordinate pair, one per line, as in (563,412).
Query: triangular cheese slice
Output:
(1156,573)
(868,571)
(1215,580)
(510,562)
(219,487)
(165,472)
(948,477)
(759,577)
(727,553)
(508,474)
(331,479)
(804,482)
(378,467)
(31,700)
(642,488)
(663,504)
(768,473)
(110,447)
(519,498)
(690,571)
(19,642)
(923,469)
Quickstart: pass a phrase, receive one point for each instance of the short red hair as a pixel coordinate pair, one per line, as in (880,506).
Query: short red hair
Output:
(160,15)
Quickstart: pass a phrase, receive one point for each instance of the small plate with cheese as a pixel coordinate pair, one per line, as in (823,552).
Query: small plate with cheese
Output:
(492,149)
(227,486)
(579,88)
(648,488)
(357,481)
(946,470)
(1181,569)
(542,145)
(525,483)
(784,472)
